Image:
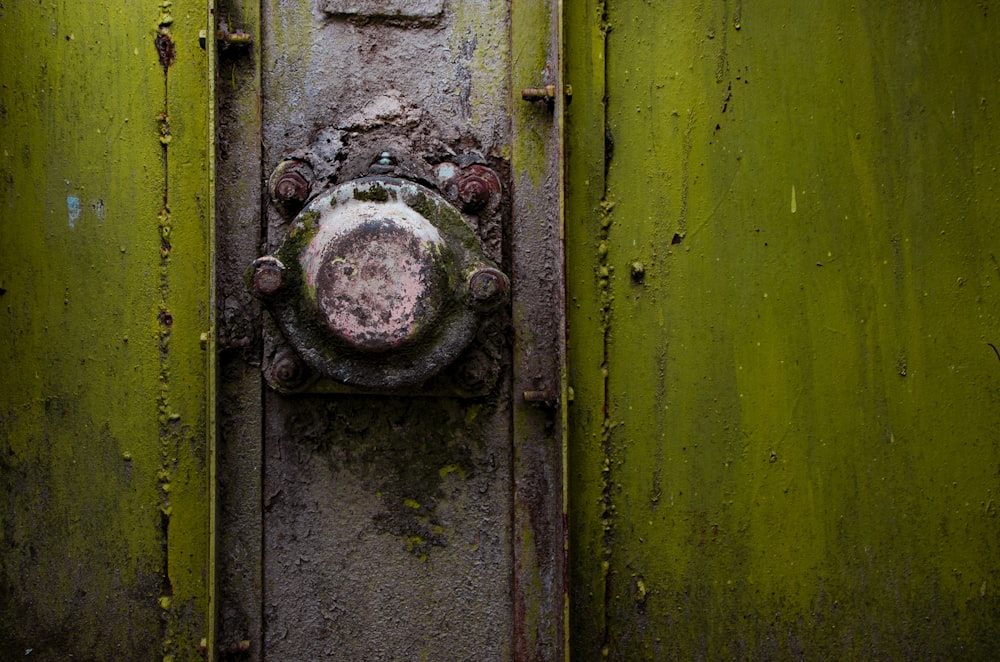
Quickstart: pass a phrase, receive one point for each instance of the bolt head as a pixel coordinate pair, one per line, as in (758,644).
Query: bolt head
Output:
(488,288)
(383,164)
(477,185)
(291,181)
(268,276)
(474,193)
(288,370)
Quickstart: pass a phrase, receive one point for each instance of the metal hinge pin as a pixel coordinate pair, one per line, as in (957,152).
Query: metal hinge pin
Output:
(546,93)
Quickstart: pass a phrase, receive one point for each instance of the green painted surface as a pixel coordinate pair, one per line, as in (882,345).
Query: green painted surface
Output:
(799,457)
(106,324)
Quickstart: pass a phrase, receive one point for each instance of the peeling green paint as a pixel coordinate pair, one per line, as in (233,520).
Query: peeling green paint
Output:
(783,432)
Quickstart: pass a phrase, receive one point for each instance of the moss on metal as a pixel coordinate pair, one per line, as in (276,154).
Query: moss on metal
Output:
(798,457)
(481,54)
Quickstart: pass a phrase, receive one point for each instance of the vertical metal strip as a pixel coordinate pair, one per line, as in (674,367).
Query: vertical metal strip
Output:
(539,402)
(211,355)
(562,85)
(588,150)
(238,209)
(185,319)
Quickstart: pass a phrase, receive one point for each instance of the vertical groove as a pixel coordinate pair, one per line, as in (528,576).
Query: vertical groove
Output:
(165,49)
(606,299)
(261,241)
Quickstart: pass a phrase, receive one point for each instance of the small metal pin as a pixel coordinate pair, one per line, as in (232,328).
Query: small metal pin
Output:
(384,164)
(546,93)
(540,397)
(539,93)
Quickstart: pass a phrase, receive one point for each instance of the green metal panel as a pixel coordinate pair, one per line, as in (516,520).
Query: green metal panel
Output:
(783,319)
(105,281)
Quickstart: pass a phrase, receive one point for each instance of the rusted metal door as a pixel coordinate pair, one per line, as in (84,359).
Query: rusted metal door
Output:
(364,513)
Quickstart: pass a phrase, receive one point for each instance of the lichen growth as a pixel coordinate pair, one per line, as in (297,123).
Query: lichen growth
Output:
(374,193)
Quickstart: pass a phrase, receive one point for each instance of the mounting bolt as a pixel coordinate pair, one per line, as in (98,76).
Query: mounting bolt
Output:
(547,93)
(477,185)
(288,371)
(488,288)
(539,397)
(290,182)
(268,276)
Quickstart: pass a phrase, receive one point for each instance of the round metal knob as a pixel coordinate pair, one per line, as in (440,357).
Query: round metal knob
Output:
(380,283)
(290,182)
(376,272)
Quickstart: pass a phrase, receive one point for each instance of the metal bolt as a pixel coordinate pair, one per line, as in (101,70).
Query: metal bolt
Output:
(268,276)
(488,288)
(288,371)
(538,93)
(546,93)
(477,185)
(290,182)
(538,397)
(227,38)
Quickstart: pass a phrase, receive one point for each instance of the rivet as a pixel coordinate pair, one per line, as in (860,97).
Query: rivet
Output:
(488,288)
(268,276)
(477,185)
(290,182)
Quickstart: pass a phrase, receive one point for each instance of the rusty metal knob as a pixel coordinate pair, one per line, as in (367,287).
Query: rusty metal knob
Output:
(288,371)
(488,288)
(377,274)
(267,277)
(384,284)
(290,182)
(477,185)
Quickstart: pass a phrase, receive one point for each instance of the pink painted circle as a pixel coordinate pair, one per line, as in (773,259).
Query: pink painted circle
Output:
(378,281)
